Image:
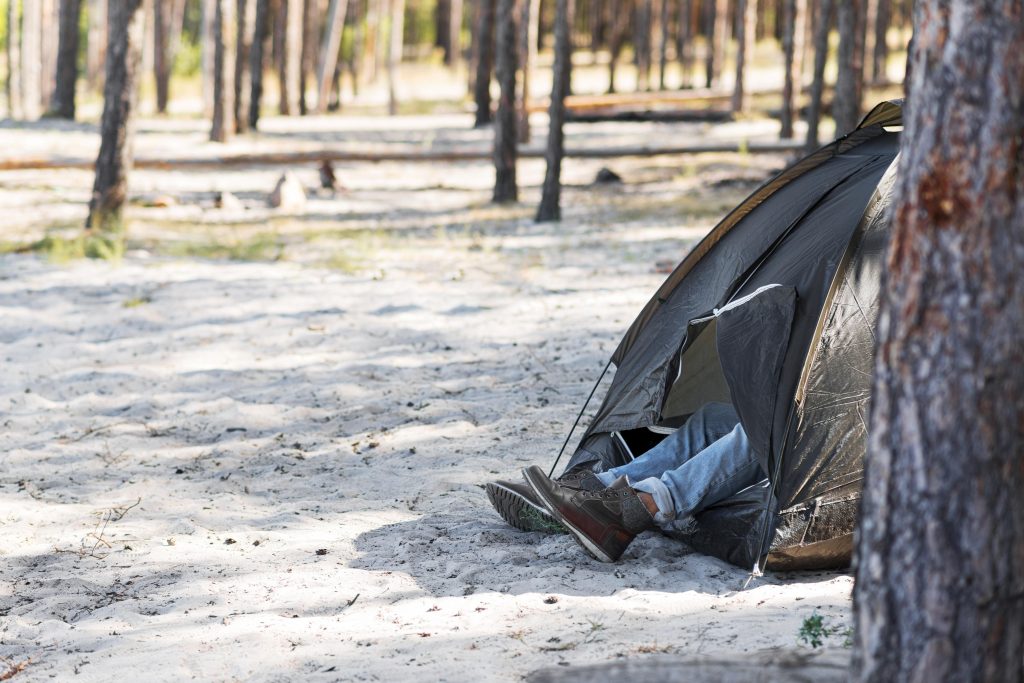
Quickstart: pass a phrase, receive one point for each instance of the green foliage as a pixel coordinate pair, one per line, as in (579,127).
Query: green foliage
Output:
(261,247)
(814,631)
(109,247)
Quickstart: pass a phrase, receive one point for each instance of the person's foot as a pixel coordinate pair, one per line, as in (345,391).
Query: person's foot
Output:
(603,522)
(519,507)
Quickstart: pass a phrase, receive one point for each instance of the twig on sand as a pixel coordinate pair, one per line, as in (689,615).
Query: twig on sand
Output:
(93,541)
(12,668)
(351,602)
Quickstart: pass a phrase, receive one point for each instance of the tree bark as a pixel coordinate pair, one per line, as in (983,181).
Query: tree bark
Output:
(453,53)
(310,46)
(505,189)
(684,42)
(207,48)
(161,53)
(794,16)
(31,59)
(718,36)
(620,25)
(395,42)
(245,18)
(63,104)
(642,43)
(846,105)
(96,43)
(551,192)
(746,25)
(940,552)
(257,59)
(529,25)
(329,52)
(823,21)
(484,63)
(289,71)
(663,41)
(880,55)
(223,71)
(14,108)
(49,27)
(110,189)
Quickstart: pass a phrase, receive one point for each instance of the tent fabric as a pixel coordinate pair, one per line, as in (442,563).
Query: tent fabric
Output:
(791,280)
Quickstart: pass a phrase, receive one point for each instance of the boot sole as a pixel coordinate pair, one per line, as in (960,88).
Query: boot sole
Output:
(594,550)
(521,513)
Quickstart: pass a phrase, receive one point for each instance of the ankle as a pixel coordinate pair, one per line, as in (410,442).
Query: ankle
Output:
(648,501)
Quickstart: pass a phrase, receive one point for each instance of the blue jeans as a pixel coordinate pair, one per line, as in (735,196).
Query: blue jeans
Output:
(705,461)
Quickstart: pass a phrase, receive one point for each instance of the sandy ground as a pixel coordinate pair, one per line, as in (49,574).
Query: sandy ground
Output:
(271,469)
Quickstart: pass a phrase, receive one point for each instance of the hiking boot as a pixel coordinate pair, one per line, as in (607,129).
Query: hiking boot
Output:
(603,522)
(517,504)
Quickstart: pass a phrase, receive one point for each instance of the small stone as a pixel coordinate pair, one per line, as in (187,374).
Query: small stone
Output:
(163,201)
(227,201)
(321,551)
(230,541)
(288,194)
(606,175)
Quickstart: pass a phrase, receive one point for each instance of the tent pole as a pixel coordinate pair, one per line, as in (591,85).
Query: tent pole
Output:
(579,417)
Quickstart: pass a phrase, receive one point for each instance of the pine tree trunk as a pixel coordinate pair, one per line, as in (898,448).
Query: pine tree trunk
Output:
(484,63)
(453,55)
(684,41)
(794,16)
(395,42)
(940,552)
(49,27)
(528,26)
(31,59)
(328,61)
(719,42)
(161,53)
(63,104)
(96,44)
(746,26)
(310,45)
(620,26)
(663,41)
(14,109)
(257,59)
(207,47)
(505,189)
(223,72)
(551,192)
(823,21)
(642,44)
(846,105)
(110,189)
(880,55)
(245,18)
(290,63)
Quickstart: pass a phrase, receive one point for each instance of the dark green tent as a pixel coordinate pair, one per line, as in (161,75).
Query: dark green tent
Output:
(774,311)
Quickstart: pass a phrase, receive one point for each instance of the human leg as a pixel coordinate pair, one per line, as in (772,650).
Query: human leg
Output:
(707,425)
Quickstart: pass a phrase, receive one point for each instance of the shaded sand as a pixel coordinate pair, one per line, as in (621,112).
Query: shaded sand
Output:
(271,471)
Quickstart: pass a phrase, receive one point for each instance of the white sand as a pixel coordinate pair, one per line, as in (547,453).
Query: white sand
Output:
(260,413)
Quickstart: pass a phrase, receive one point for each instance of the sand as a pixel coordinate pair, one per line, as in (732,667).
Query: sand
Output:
(272,470)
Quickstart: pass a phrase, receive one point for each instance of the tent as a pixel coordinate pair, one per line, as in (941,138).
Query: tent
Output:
(773,311)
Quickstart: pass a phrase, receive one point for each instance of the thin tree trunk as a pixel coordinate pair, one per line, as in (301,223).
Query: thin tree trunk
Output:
(310,45)
(31,59)
(359,30)
(746,25)
(485,63)
(207,47)
(453,55)
(96,44)
(223,71)
(245,18)
(794,16)
(63,104)
(868,41)
(161,53)
(551,192)
(49,27)
(642,43)
(663,41)
(257,59)
(328,61)
(505,189)
(940,552)
(529,24)
(290,57)
(823,22)
(14,109)
(846,105)
(395,42)
(110,189)
(620,26)
(684,41)
(880,55)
